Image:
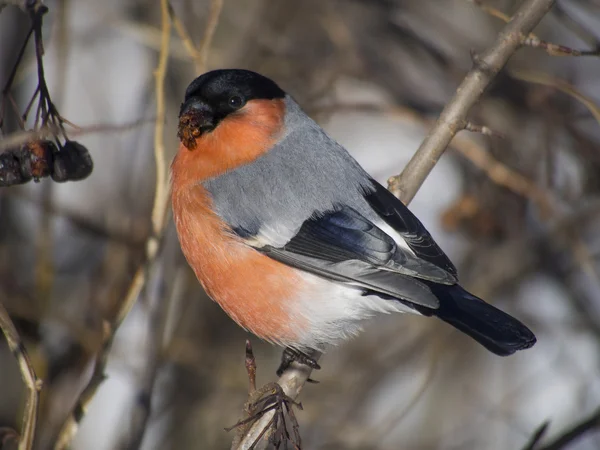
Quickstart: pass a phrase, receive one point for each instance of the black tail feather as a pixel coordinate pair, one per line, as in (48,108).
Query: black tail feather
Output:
(497,331)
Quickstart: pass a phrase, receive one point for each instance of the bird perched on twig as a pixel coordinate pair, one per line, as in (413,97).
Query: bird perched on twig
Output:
(292,238)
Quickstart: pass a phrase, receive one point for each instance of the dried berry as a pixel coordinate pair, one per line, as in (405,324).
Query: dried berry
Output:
(72,162)
(40,155)
(10,169)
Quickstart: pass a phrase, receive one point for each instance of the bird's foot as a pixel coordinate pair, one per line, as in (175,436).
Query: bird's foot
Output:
(271,397)
(291,355)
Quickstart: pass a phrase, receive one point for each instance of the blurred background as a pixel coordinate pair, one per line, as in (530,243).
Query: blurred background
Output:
(519,215)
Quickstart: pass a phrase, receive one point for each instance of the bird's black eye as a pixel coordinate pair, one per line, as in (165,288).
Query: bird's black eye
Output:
(236,102)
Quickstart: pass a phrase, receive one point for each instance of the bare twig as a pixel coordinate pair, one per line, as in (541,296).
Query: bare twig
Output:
(199,54)
(499,173)
(216,7)
(186,39)
(19,138)
(556,49)
(531,40)
(160,196)
(481,129)
(25,5)
(504,176)
(291,381)
(571,434)
(455,113)
(250,367)
(32,383)
(152,244)
(150,36)
(537,436)
(562,85)
(159,306)
(251,370)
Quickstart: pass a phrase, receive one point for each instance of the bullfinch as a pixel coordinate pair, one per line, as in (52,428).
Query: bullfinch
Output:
(292,238)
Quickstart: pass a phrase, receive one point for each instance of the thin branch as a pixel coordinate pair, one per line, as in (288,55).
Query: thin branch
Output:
(31,381)
(159,208)
(531,40)
(589,423)
(149,36)
(556,49)
(504,176)
(159,307)
(186,39)
(537,436)
(199,54)
(291,381)
(160,196)
(18,138)
(216,6)
(562,85)
(406,184)
(481,129)
(25,5)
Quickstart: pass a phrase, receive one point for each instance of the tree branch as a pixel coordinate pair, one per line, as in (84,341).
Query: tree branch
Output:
(454,115)
(568,436)
(291,381)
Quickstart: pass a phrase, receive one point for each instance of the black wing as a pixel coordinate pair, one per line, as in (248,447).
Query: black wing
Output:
(344,246)
(399,217)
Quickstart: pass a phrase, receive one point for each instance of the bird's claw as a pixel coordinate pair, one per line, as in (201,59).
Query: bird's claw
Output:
(271,397)
(291,355)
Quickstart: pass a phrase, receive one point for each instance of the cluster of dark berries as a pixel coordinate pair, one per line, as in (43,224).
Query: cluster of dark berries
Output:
(70,161)
(37,159)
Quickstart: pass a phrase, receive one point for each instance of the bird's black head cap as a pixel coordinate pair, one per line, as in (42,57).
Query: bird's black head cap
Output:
(219,86)
(214,95)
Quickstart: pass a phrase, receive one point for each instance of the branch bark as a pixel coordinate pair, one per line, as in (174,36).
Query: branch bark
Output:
(454,115)
(291,381)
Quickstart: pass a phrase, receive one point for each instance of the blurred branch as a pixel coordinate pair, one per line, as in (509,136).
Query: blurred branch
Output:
(498,172)
(211,26)
(504,176)
(149,36)
(405,185)
(30,380)
(25,5)
(159,208)
(158,303)
(291,381)
(537,436)
(562,85)
(556,49)
(481,129)
(199,55)
(19,138)
(578,26)
(186,39)
(531,40)
(589,423)
(160,196)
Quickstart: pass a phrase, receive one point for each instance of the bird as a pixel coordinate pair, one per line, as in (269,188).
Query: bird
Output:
(294,240)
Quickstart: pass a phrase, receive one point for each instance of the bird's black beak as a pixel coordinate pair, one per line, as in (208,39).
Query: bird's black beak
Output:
(199,110)
(195,119)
